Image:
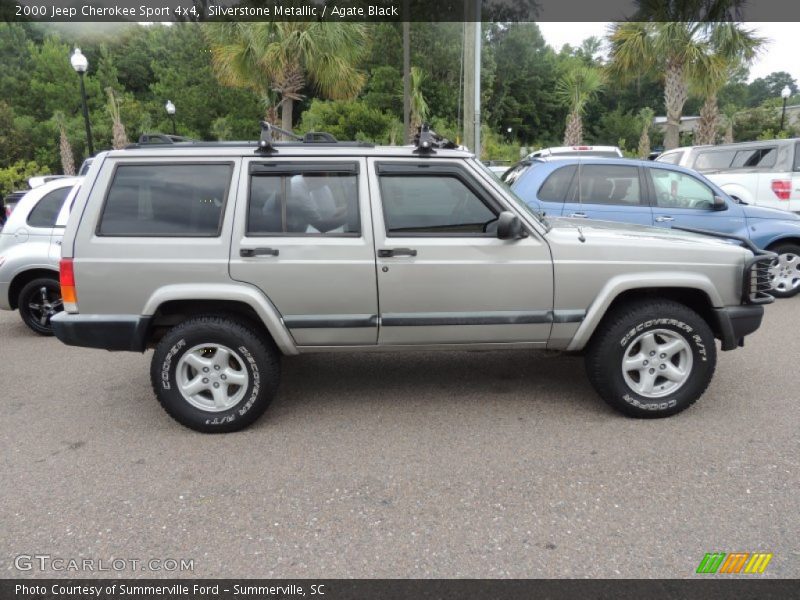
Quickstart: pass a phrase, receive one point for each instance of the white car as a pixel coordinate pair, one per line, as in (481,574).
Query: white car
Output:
(30,248)
(559,151)
(764,173)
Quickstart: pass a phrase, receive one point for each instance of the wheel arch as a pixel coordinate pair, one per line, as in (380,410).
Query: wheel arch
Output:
(23,278)
(170,305)
(697,293)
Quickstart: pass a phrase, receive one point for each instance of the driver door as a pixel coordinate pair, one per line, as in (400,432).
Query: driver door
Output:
(443,275)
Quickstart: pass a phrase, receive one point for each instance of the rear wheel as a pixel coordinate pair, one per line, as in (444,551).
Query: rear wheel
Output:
(785,271)
(651,359)
(214,374)
(38,301)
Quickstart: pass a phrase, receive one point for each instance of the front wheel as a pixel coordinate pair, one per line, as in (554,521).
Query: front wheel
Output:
(38,301)
(214,374)
(651,359)
(785,271)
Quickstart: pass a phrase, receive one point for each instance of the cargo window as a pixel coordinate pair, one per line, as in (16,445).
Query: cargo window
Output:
(556,186)
(181,200)
(45,213)
(300,203)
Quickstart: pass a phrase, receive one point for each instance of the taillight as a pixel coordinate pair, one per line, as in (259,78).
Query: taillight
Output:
(581,147)
(67,280)
(782,188)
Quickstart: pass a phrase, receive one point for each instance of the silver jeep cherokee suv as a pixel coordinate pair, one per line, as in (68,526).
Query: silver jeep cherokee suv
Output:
(225,257)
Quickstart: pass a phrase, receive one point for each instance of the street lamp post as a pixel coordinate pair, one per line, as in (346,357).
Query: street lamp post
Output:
(785,93)
(170,107)
(508,132)
(81,65)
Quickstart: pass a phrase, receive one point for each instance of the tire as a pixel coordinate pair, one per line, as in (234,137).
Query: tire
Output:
(196,348)
(38,301)
(633,331)
(786,271)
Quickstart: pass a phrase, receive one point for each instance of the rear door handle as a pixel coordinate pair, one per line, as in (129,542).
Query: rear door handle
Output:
(251,252)
(393,252)
(664,219)
(579,215)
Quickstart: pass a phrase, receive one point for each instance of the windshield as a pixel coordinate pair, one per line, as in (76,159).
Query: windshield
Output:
(513,195)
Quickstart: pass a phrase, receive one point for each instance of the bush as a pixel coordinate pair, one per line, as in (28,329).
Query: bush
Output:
(16,176)
(348,120)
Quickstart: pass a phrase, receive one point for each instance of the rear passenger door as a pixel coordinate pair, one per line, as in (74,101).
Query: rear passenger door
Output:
(304,238)
(609,193)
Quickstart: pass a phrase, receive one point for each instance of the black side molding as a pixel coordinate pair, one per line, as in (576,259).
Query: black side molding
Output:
(107,332)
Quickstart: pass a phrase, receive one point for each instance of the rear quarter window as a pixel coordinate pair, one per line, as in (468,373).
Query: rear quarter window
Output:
(167,200)
(46,211)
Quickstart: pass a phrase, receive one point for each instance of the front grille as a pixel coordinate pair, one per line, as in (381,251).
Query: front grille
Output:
(757,282)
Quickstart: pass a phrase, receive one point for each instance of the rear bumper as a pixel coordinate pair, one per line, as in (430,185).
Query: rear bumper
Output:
(735,322)
(108,332)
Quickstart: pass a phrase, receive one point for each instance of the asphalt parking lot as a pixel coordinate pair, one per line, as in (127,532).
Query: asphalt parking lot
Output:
(502,464)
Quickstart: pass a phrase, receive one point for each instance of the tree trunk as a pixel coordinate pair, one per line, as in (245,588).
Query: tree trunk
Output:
(644,142)
(65,149)
(573,136)
(709,116)
(287,107)
(674,99)
(728,139)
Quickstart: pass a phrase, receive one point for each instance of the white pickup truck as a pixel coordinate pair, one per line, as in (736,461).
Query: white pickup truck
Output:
(765,173)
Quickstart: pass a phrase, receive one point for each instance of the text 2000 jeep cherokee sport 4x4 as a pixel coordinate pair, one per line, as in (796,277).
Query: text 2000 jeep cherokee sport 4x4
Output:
(224,257)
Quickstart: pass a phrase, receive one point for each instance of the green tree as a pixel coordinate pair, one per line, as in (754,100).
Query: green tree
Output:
(732,46)
(646,119)
(575,89)
(676,49)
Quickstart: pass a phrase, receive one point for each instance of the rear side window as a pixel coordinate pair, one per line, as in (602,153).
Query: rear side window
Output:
(611,184)
(303,203)
(45,213)
(432,205)
(556,186)
(714,159)
(673,158)
(758,157)
(166,200)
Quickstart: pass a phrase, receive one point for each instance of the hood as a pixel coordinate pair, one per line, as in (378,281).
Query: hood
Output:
(631,230)
(760,212)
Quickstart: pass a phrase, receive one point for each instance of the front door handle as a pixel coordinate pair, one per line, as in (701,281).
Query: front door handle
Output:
(392,252)
(664,219)
(251,252)
(579,215)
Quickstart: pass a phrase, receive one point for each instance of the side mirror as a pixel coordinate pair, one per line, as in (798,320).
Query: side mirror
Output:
(719,203)
(509,227)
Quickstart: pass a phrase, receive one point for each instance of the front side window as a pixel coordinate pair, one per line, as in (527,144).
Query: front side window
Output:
(432,205)
(677,190)
(672,158)
(180,200)
(608,184)
(45,213)
(303,203)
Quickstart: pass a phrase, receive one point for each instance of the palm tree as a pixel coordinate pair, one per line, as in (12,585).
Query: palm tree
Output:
(732,48)
(278,60)
(575,89)
(675,49)
(64,147)
(646,118)
(729,113)
(418,104)
(120,138)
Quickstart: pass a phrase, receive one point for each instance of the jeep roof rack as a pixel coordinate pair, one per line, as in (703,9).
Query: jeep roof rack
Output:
(161,138)
(427,140)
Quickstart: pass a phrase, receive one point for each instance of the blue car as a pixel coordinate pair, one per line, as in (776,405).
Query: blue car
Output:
(660,195)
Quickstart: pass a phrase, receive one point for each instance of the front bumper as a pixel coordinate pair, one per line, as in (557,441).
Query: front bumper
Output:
(735,322)
(108,332)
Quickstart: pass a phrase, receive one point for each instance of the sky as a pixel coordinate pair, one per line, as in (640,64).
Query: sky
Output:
(780,54)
